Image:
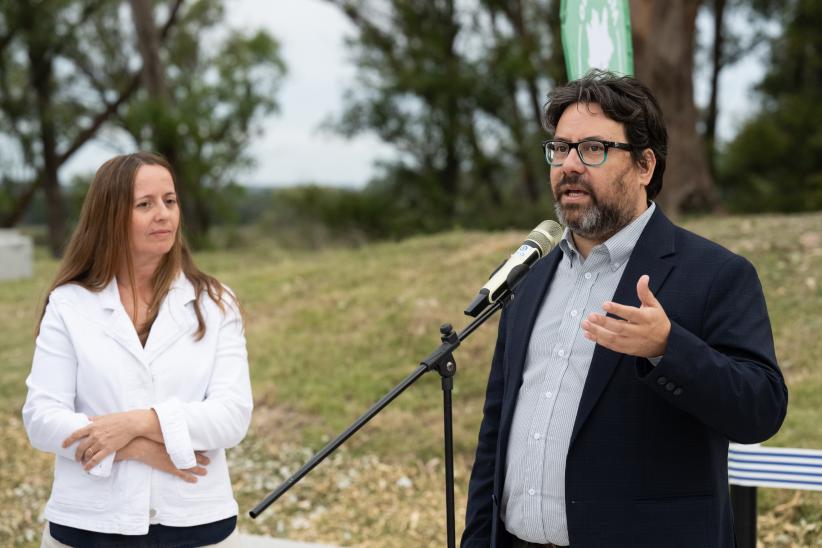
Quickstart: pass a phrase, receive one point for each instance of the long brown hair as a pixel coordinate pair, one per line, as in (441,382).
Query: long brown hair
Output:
(96,249)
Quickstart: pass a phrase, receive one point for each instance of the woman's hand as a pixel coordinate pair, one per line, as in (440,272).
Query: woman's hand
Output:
(108,434)
(154,454)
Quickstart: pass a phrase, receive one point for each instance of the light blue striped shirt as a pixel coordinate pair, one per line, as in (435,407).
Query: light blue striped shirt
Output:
(556,366)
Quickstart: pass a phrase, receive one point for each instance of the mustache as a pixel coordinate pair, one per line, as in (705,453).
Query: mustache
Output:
(576,180)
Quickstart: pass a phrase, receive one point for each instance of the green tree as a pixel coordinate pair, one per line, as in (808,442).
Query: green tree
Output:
(775,162)
(727,46)
(204,95)
(457,90)
(56,92)
(522,60)
(68,74)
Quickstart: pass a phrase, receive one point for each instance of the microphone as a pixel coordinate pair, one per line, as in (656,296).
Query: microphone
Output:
(539,242)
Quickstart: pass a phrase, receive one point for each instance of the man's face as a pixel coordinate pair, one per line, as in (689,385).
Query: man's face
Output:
(595,202)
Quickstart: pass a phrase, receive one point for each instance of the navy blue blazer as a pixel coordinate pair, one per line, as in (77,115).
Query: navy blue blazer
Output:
(647,464)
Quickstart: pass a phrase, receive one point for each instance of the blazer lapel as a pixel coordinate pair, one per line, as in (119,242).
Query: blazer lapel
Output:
(652,255)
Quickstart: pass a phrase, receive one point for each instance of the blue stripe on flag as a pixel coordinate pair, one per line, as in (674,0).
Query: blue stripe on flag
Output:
(797,482)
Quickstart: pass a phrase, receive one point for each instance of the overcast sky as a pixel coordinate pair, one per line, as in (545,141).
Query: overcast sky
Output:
(294,149)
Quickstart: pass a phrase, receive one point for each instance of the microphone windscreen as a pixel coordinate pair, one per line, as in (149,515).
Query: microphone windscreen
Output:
(546,235)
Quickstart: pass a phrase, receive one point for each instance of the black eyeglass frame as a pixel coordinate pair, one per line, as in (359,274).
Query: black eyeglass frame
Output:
(605,144)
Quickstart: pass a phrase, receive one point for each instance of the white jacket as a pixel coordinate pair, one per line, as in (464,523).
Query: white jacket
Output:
(89,361)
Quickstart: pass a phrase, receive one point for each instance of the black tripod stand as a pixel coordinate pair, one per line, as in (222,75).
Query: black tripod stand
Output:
(440,360)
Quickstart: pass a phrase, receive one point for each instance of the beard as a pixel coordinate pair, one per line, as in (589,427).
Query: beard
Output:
(602,217)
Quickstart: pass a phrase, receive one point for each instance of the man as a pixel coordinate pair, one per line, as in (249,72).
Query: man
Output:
(629,358)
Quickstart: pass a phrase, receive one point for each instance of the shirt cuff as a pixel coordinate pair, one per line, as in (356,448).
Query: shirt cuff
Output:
(175,433)
(656,359)
(103,468)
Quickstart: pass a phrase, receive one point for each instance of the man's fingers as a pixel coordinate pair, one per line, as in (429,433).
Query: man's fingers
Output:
(630,313)
(646,296)
(198,470)
(202,459)
(599,334)
(611,324)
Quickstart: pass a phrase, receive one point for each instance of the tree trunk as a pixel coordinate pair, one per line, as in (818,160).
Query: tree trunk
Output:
(718,63)
(148,43)
(55,209)
(41,70)
(523,146)
(516,16)
(663,36)
(451,171)
(164,128)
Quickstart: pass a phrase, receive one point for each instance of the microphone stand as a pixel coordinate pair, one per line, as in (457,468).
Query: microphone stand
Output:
(440,360)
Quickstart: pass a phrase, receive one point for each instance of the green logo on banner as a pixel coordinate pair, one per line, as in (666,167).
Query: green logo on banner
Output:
(596,34)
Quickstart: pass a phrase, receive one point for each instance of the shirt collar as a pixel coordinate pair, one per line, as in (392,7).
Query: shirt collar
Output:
(618,247)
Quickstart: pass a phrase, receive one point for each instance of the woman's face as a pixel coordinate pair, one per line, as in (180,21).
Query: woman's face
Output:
(154,215)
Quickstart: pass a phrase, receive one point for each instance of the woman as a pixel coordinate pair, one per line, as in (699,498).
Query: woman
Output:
(140,375)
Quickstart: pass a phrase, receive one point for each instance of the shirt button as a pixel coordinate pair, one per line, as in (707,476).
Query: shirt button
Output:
(549,394)
(536,435)
(561,353)
(587,275)
(152,513)
(531,492)
(574,313)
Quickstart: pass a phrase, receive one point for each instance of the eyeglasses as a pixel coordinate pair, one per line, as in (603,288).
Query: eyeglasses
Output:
(591,152)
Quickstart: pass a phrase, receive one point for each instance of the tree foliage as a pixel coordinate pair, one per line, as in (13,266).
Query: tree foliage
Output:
(775,162)
(457,89)
(52,101)
(206,104)
(163,75)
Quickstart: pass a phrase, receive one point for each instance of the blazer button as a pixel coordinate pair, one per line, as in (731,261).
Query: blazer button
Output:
(678,392)
(670,386)
(661,381)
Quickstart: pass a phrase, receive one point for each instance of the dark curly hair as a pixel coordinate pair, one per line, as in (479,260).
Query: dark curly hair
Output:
(624,100)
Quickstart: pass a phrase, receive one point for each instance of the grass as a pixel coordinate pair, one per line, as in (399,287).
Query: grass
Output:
(330,332)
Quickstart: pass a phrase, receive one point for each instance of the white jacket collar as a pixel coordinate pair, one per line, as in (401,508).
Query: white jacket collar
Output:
(110,296)
(172,322)
(181,288)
